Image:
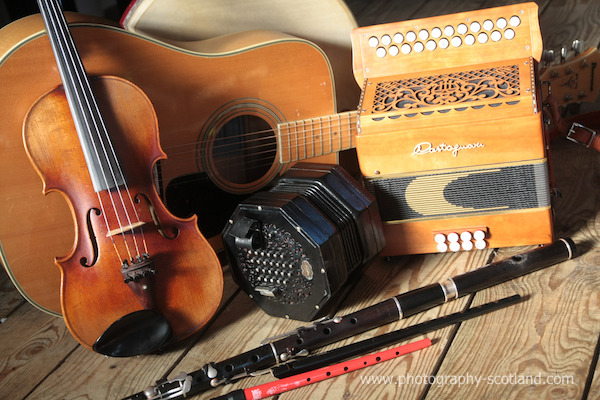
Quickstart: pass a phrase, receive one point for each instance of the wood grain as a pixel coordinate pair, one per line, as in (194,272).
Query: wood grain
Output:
(33,344)
(554,332)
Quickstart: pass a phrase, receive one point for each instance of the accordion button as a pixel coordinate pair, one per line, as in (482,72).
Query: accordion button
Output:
(442,247)
(467,246)
(479,235)
(440,238)
(454,246)
(453,237)
(509,34)
(480,244)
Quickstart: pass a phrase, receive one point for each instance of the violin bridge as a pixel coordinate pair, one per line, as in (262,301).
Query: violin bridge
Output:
(122,230)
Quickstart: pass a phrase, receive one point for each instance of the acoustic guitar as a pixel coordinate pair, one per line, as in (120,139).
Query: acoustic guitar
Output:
(223,109)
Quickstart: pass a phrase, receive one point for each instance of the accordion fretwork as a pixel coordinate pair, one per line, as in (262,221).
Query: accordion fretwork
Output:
(451,136)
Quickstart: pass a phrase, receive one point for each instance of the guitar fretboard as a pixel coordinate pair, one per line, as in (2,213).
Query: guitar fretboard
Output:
(299,140)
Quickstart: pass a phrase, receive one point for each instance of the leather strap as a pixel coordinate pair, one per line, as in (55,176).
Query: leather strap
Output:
(582,129)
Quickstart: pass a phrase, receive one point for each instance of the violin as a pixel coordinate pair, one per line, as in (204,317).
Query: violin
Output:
(137,277)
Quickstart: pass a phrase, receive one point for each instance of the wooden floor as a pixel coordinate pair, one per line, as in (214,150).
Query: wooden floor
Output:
(553,336)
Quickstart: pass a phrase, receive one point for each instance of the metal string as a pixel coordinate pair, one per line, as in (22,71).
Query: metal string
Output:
(266,147)
(82,92)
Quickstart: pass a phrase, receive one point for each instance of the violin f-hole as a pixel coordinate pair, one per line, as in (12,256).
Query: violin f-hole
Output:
(92,237)
(167,235)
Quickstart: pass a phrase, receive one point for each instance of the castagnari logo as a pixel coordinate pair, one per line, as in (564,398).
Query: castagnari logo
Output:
(428,148)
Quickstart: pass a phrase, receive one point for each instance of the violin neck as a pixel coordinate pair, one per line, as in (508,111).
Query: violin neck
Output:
(101,159)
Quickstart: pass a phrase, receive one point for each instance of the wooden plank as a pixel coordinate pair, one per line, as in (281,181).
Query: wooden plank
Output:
(534,347)
(33,343)
(594,373)
(64,369)
(564,21)
(554,333)
(242,326)
(418,271)
(10,298)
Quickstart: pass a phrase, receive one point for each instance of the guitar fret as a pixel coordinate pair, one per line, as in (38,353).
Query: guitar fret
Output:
(339,131)
(312,142)
(304,154)
(319,136)
(330,135)
(294,148)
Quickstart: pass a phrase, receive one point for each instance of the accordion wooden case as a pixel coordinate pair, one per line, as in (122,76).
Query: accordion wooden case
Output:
(451,136)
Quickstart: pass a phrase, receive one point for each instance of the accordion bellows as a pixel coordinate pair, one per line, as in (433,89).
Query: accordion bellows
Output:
(451,135)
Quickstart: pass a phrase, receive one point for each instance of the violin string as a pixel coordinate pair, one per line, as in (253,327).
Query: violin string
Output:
(61,48)
(52,29)
(84,94)
(102,131)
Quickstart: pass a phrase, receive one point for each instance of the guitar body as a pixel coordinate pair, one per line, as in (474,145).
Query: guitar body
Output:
(327,23)
(269,76)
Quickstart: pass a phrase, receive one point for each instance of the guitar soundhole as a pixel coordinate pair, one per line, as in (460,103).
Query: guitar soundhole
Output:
(244,149)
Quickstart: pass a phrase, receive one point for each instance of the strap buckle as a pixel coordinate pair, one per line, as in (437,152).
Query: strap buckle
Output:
(572,132)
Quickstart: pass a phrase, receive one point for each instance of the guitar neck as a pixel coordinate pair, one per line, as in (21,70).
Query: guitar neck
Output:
(299,140)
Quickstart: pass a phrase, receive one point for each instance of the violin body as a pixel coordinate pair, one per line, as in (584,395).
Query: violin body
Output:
(188,284)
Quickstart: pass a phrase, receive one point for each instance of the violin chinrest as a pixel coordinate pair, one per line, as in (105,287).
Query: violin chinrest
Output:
(139,332)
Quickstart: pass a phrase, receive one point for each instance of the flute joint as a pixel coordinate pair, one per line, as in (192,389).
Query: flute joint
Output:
(175,388)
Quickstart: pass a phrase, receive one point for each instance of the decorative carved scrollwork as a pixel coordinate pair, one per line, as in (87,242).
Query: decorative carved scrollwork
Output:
(448,89)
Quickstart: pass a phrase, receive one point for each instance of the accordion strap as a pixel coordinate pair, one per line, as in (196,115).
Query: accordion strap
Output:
(582,129)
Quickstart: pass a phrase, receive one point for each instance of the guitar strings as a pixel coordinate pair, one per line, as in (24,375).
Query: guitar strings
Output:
(303,150)
(348,124)
(83,94)
(330,138)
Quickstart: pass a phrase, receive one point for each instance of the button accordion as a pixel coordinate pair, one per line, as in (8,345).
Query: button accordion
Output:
(451,137)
